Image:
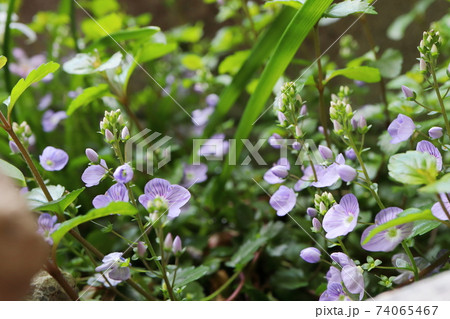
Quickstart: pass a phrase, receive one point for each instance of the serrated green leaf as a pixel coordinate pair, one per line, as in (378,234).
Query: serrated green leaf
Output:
(442,185)
(413,168)
(115,208)
(348,7)
(87,96)
(35,76)
(411,216)
(60,205)
(189,274)
(360,73)
(12,172)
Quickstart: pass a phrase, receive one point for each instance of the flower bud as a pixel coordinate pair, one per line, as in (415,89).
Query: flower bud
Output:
(317,226)
(141,249)
(350,154)
(422,65)
(323,208)
(13,147)
(435,132)
(125,134)
(312,212)
(346,173)
(408,92)
(325,152)
(296,146)
(362,124)
(109,136)
(310,255)
(434,50)
(92,155)
(168,242)
(176,247)
(303,110)
(336,126)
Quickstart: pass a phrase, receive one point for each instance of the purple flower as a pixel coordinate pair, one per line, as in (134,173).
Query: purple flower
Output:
(176,246)
(435,132)
(216,147)
(346,173)
(51,119)
(350,274)
(94,174)
(117,265)
(212,99)
(200,117)
(341,219)
(350,154)
(116,193)
(47,226)
(333,275)
(401,129)
(14,148)
(276,141)
(310,255)
(282,119)
(407,92)
(325,152)
(24,65)
(388,239)
(283,200)
(123,174)
(308,177)
(45,102)
(174,196)
(427,147)
(437,209)
(334,292)
(53,159)
(194,174)
(278,172)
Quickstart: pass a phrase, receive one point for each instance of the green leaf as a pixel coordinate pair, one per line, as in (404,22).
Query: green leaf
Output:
(232,63)
(360,73)
(36,196)
(3,61)
(299,27)
(87,96)
(12,172)
(413,168)
(442,185)
(407,216)
(348,7)
(296,4)
(189,274)
(115,208)
(390,63)
(152,51)
(192,62)
(60,205)
(124,35)
(35,76)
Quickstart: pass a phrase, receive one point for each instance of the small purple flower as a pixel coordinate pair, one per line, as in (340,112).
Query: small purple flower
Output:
(200,117)
(51,119)
(437,209)
(334,292)
(53,159)
(123,174)
(309,177)
(350,154)
(194,174)
(310,255)
(325,152)
(14,148)
(346,173)
(118,266)
(212,99)
(276,141)
(350,274)
(435,132)
(341,219)
(45,102)
(177,246)
(47,226)
(92,155)
(283,200)
(278,172)
(116,193)
(216,147)
(401,129)
(407,92)
(24,65)
(94,174)
(386,240)
(427,147)
(174,196)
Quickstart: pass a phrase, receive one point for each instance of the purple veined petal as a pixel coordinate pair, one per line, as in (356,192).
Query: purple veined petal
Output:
(100,201)
(120,273)
(340,159)
(353,280)
(271,178)
(118,193)
(334,292)
(427,147)
(53,159)
(333,275)
(342,259)
(283,200)
(144,200)
(350,204)
(437,210)
(341,219)
(93,174)
(401,129)
(346,173)
(310,255)
(157,187)
(177,197)
(387,214)
(326,176)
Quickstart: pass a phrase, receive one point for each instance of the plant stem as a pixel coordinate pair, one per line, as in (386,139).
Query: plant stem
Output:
(222,288)
(441,102)
(7,43)
(73,25)
(411,258)
(344,249)
(54,271)
(323,111)
(249,17)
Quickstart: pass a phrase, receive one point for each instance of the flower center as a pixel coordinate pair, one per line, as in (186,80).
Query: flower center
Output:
(49,162)
(392,232)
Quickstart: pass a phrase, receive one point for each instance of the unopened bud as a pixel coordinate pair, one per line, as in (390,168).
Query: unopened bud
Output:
(109,136)
(177,247)
(317,226)
(92,155)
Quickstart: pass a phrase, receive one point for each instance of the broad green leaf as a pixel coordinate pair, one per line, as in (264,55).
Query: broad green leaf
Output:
(189,274)
(124,35)
(390,63)
(12,172)
(260,52)
(360,73)
(226,38)
(115,208)
(413,168)
(232,63)
(60,205)
(188,33)
(442,185)
(348,7)
(35,76)
(96,29)
(296,4)
(87,96)
(406,217)
(3,61)
(152,51)
(37,198)
(192,62)
(299,27)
